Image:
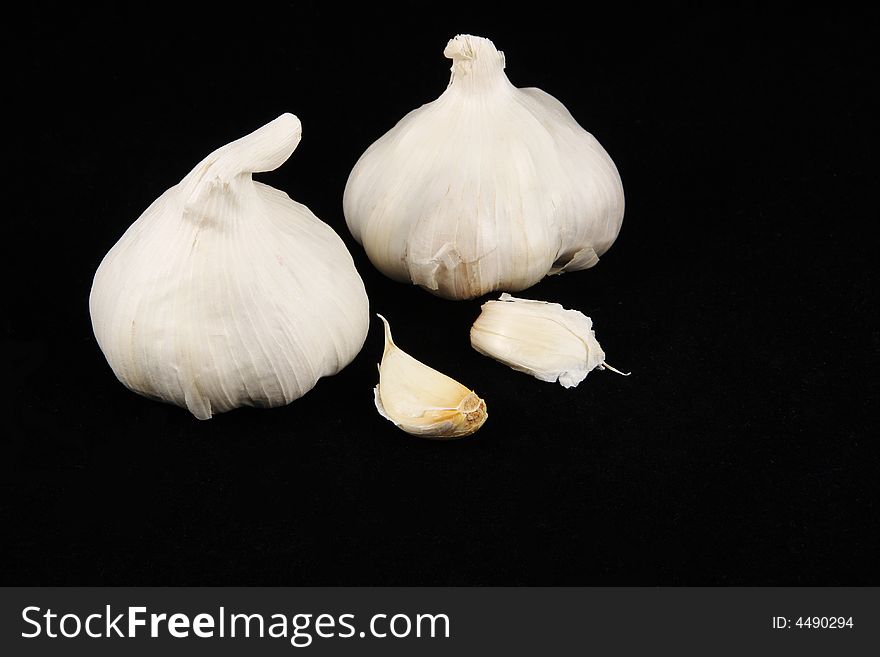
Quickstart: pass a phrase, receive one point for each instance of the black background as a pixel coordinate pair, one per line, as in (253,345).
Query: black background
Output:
(742,450)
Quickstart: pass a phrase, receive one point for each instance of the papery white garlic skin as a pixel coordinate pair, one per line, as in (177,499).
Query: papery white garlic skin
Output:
(538,338)
(422,401)
(489,187)
(225,292)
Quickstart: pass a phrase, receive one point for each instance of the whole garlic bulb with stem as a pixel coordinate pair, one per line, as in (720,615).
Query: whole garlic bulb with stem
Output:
(489,187)
(225,292)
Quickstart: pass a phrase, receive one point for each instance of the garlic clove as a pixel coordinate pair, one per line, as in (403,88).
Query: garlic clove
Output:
(225,292)
(422,401)
(488,187)
(539,338)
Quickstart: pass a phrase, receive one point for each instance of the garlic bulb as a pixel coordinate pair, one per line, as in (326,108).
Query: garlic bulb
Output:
(225,292)
(422,401)
(489,187)
(539,338)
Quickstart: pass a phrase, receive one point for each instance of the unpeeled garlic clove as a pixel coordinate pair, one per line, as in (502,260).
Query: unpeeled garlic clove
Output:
(422,401)
(539,338)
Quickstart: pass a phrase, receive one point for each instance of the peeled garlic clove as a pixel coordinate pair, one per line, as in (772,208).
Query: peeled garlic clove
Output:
(422,401)
(489,187)
(225,292)
(539,338)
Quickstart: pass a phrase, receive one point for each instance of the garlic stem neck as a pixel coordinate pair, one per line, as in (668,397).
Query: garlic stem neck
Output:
(476,64)
(265,149)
